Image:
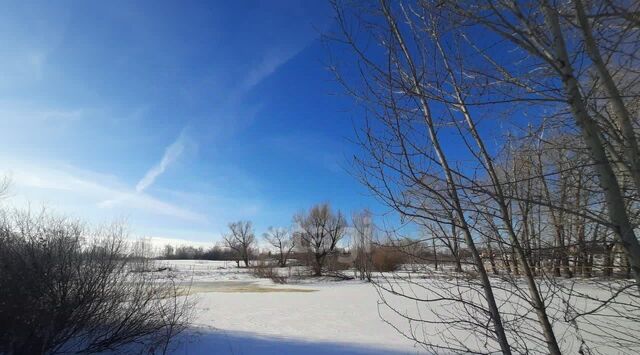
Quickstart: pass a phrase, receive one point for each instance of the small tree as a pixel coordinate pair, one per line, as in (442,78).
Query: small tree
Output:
(283,241)
(320,230)
(241,239)
(362,243)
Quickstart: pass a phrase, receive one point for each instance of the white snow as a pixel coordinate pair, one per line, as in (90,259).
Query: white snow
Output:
(338,317)
(236,313)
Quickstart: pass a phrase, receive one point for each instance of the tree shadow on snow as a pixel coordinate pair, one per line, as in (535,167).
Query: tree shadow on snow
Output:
(214,341)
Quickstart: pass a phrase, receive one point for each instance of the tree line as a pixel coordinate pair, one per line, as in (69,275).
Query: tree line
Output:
(314,241)
(316,234)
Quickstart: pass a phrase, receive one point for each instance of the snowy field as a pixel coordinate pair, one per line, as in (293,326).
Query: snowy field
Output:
(237,313)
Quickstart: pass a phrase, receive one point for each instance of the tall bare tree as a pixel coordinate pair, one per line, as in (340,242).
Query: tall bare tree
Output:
(432,81)
(281,239)
(548,32)
(362,243)
(320,230)
(241,239)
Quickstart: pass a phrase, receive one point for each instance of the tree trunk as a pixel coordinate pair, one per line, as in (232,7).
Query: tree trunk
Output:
(608,260)
(494,312)
(630,145)
(492,259)
(592,137)
(317,267)
(499,197)
(514,260)
(435,254)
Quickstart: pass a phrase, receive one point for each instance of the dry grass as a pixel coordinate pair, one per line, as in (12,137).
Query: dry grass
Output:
(239,287)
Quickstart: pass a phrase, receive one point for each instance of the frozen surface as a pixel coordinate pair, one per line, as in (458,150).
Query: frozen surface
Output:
(325,317)
(237,313)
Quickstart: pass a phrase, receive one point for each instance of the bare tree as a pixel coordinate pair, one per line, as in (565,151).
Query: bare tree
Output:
(407,165)
(281,239)
(241,239)
(319,231)
(429,86)
(548,33)
(362,241)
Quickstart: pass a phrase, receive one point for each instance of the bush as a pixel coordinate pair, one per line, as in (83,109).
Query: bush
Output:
(334,264)
(387,259)
(66,288)
(264,270)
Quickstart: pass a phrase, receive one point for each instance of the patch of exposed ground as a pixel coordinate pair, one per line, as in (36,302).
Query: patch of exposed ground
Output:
(238,286)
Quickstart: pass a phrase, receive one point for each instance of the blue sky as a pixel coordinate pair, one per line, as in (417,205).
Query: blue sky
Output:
(178,117)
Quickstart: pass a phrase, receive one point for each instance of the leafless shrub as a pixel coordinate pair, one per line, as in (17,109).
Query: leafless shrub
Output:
(387,259)
(67,288)
(264,270)
(334,264)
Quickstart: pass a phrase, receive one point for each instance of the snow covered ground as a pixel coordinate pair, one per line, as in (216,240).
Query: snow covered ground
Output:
(237,313)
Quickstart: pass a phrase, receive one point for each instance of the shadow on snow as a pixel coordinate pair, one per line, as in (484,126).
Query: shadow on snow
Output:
(195,342)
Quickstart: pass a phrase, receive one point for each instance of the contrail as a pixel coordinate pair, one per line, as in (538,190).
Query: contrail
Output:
(171,154)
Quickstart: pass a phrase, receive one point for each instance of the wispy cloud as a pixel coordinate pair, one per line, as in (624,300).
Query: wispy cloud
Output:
(325,151)
(140,199)
(25,113)
(171,154)
(39,184)
(270,62)
(151,204)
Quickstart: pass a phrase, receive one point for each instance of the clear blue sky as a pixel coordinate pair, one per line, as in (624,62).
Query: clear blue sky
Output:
(178,116)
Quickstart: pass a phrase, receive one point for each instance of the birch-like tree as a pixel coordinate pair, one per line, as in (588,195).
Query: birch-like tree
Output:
(482,127)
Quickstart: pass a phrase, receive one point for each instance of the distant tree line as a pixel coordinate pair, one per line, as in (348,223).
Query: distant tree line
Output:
(185,252)
(314,240)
